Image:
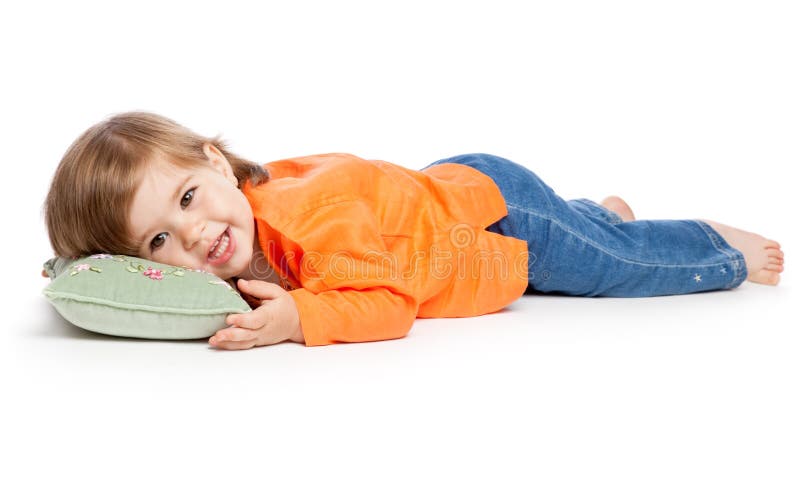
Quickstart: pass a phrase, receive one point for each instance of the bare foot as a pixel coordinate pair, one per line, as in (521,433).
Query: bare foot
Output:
(620,207)
(763,257)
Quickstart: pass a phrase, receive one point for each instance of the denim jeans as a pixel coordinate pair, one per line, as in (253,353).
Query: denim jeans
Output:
(578,247)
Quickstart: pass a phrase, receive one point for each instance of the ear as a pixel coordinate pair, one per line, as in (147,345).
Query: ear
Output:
(220,163)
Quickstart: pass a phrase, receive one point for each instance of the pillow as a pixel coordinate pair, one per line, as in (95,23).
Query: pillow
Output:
(133,297)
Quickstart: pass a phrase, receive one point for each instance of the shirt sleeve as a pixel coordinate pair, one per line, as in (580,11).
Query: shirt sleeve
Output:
(352,287)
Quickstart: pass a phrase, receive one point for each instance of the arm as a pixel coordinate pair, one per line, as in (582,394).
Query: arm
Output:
(345,315)
(352,290)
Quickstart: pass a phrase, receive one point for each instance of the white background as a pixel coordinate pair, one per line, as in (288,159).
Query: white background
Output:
(687,109)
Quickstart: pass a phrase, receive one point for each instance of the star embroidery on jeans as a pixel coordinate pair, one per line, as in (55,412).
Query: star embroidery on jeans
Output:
(698,278)
(722,270)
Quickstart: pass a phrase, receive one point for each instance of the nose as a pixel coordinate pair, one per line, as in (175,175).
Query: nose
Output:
(192,233)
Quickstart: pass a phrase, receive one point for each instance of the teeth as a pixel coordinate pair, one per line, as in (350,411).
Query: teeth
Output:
(216,252)
(222,247)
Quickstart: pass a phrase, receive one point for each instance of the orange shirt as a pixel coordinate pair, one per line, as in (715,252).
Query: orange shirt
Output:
(367,246)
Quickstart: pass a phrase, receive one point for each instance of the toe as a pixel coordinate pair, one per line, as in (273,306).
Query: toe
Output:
(769,277)
(774,253)
(765,277)
(774,267)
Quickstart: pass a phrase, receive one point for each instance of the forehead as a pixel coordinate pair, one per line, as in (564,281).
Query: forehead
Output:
(159,179)
(160,171)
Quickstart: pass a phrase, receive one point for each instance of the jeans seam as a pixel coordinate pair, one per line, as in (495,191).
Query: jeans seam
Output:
(608,252)
(613,216)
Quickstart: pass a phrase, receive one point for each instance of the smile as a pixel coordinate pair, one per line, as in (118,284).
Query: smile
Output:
(222,249)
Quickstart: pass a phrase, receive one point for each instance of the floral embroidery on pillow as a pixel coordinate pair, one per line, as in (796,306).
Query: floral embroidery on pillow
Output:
(83,267)
(154,273)
(149,272)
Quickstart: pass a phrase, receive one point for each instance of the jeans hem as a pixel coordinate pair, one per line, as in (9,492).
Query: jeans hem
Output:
(736,257)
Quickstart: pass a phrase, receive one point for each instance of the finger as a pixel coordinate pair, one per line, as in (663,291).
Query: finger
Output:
(234,345)
(233,334)
(261,289)
(253,320)
(228,338)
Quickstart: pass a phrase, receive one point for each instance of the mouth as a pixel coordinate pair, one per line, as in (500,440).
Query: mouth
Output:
(222,249)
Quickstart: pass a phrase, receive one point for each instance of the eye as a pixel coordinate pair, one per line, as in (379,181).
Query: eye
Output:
(190,194)
(185,201)
(153,245)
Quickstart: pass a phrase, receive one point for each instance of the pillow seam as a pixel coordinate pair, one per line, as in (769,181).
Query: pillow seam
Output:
(53,295)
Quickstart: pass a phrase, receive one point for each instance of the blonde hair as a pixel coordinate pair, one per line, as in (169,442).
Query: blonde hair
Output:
(87,206)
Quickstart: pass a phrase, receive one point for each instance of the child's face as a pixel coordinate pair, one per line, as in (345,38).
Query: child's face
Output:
(178,220)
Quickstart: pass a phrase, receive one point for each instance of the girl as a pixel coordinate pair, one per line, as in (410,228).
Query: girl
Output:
(333,248)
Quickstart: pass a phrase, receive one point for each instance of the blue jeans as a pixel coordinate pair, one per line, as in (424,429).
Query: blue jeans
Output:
(579,247)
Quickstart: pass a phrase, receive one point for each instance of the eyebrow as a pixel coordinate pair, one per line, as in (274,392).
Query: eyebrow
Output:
(174,196)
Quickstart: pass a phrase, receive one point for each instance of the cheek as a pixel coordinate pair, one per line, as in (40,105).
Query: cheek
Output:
(242,205)
(172,255)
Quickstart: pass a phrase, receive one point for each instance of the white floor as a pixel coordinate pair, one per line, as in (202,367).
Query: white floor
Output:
(557,397)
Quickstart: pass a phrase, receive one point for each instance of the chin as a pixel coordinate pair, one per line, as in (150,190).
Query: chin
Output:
(238,272)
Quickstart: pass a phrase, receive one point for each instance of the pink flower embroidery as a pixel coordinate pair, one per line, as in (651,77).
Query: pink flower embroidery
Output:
(82,267)
(153,273)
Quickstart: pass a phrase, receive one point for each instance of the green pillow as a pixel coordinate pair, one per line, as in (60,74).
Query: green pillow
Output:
(133,297)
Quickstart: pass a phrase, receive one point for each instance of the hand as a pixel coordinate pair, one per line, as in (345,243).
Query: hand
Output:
(275,319)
